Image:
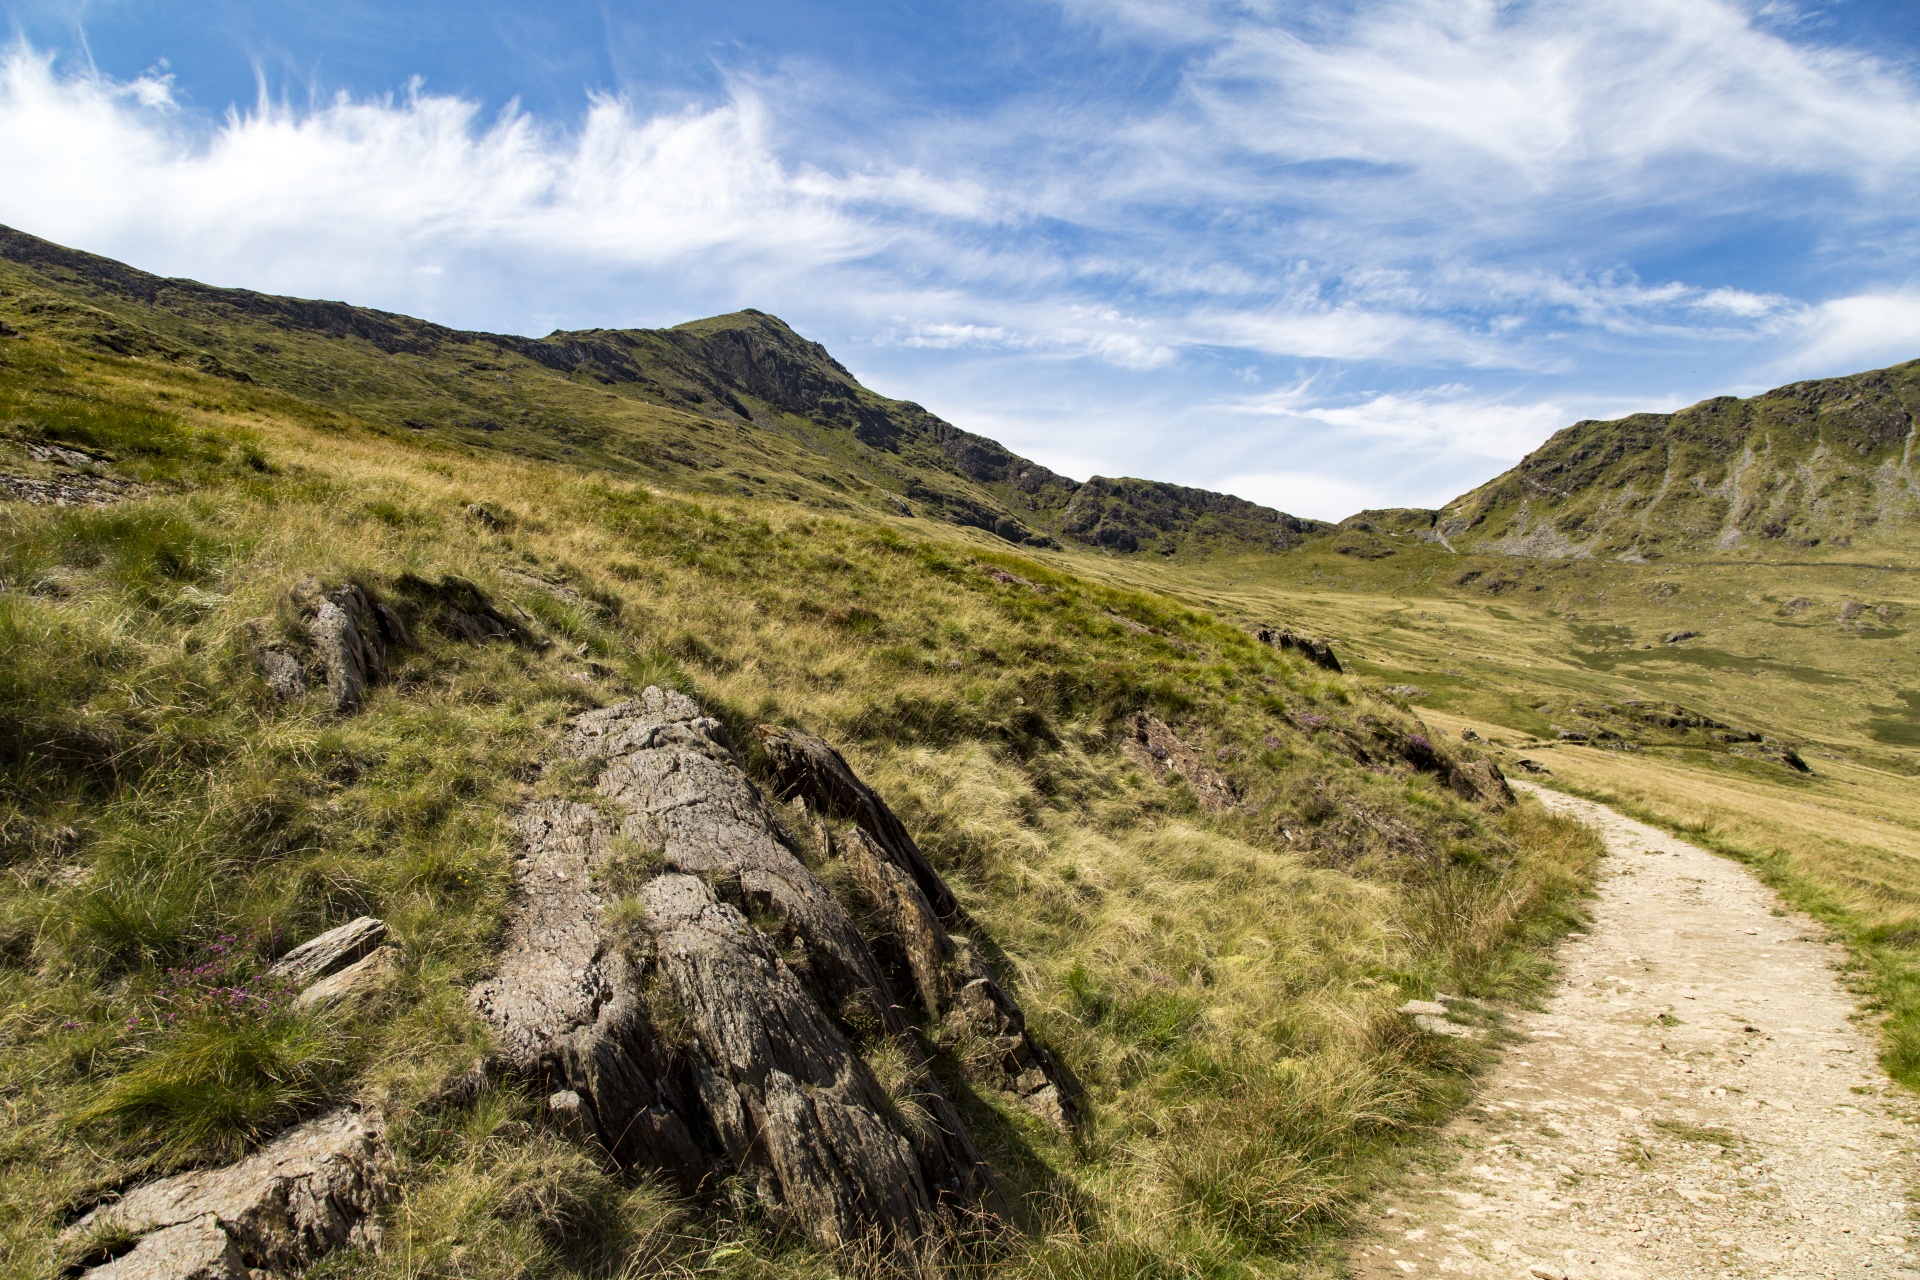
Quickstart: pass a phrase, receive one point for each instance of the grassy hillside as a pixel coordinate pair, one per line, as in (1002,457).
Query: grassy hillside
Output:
(1677,685)
(1816,470)
(1223,985)
(736,404)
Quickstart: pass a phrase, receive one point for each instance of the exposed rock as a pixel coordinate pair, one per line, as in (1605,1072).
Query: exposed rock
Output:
(567,1005)
(1476,778)
(358,980)
(1156,748)
(807,766)
(196,1250)
(460,610)
(1432,1008)
(697,1041)
(1675,637)
(1318,652)
(956,988)
(309,1191)
(283,674)
(1405,691)
(1525,765)
(352,634)
(67,491)
(1469,735)
(485,518)
(331,951)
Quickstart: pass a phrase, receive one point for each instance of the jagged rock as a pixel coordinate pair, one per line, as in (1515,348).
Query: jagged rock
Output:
(697,1041)
(358,980)
(807,766)
(283,674)
(1318,652)
(1476,778)
(352,634)
(1531,766)
(331,951)
(309,1191)
(1675,637)
(1156,748)
(460,610)
(954,986)
(794,1104)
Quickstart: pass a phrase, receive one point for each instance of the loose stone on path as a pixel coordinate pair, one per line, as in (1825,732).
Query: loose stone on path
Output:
(1693,1102)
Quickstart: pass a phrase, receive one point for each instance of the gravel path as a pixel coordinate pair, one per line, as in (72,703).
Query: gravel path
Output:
(1692,1102)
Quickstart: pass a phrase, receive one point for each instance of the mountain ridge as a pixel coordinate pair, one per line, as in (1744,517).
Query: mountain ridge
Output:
(747,369)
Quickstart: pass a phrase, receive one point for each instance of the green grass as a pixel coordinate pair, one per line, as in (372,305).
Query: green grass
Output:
(1223,986)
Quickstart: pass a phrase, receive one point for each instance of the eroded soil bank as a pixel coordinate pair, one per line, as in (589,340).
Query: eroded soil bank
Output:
(1694,1101)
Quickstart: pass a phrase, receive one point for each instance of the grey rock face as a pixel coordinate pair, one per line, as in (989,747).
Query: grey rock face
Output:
(330,952)
(196,1250)
(957,989)
(309,1191)
(353,636)
(696,1041)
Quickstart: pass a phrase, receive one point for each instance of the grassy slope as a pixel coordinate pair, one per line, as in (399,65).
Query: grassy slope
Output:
(735,404)
(1222,985)
(1820,469)
(1822,656)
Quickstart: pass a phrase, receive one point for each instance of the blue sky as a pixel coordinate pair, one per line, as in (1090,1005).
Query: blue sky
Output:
(1323,255)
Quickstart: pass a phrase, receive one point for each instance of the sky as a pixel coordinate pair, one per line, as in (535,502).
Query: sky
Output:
(1324,255)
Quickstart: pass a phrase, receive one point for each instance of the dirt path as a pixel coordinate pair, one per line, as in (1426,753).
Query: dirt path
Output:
(1693,1102)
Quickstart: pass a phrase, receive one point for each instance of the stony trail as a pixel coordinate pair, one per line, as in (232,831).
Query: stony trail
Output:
(1694,1101)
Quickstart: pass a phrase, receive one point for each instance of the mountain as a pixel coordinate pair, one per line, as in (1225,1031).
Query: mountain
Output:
(732,403)
(1820,467)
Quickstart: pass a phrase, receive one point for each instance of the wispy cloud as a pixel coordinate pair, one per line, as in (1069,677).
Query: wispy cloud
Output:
(1457,199)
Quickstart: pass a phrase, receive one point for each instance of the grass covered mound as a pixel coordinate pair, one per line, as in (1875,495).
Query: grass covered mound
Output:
(1221,984)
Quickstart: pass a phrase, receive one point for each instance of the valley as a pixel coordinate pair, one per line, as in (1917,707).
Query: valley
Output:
(307,611)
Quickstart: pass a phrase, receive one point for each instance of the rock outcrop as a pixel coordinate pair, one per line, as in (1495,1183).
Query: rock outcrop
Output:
(330,952)
(353,637)
(1151,744)
(1318,652)
(674,964)
(309,1191)
(973,1014)
(807,766)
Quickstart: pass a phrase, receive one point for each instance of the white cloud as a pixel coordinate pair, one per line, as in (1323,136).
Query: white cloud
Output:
(1865,331)
(1318,495)
(339,198)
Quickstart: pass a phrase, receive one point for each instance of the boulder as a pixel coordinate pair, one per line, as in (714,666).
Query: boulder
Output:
(712,1023)
(1474,777)
(196,1250)
(352,634)
(282,673)
(331,951)
(309,1191)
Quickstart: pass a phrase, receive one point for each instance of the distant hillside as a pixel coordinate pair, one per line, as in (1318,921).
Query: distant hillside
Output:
(1817,467)
(735,403)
